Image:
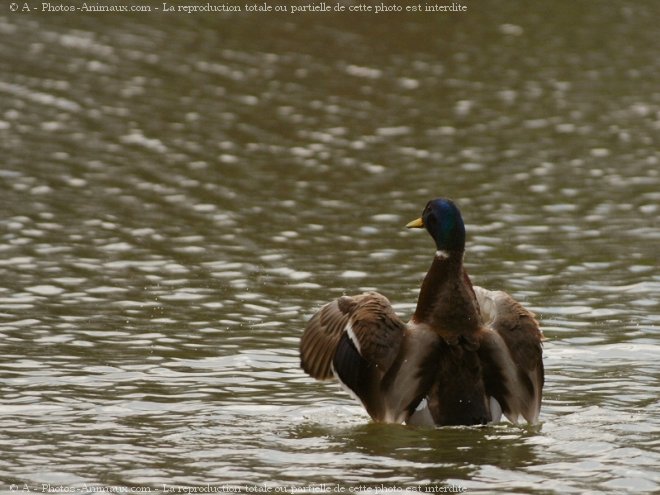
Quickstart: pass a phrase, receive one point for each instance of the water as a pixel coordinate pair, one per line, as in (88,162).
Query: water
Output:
(180,193)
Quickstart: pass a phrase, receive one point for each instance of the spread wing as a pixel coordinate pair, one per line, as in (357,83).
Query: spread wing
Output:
(511,355)
(321,337)
(361,341)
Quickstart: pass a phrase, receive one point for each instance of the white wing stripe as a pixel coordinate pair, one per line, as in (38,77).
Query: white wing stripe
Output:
(353,337)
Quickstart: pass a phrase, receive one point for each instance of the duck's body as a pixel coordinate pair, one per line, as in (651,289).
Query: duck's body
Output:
(466,356)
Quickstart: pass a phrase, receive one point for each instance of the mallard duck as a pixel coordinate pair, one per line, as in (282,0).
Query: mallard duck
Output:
(467,355)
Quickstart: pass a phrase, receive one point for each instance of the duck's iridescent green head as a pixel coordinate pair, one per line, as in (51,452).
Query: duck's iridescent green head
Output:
(442,219)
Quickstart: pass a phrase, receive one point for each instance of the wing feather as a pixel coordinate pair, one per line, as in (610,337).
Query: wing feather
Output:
(359,340)
(511,355)
(319,341)
(369,318)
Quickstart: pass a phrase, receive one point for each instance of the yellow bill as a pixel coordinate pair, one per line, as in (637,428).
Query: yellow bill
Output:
(416,224)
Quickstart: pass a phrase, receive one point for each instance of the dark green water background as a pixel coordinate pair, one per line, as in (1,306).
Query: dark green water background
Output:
(180,192)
